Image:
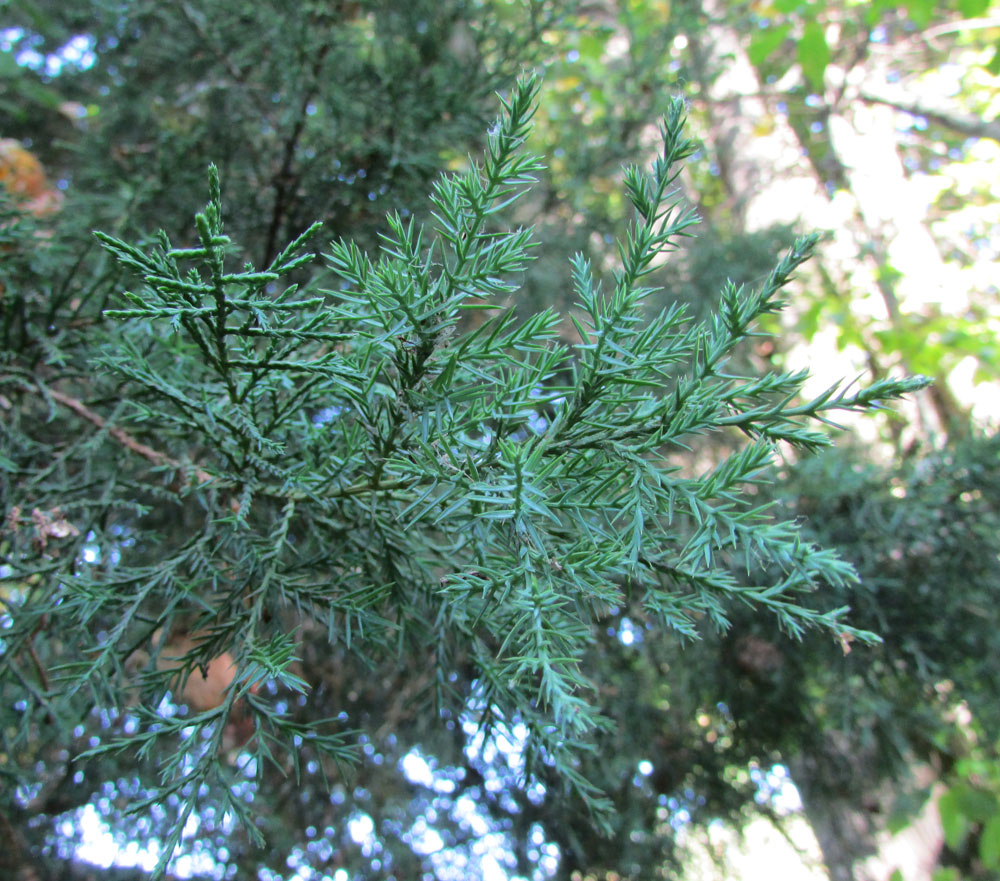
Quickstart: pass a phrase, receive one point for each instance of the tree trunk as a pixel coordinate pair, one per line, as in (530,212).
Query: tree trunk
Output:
(851,831)
(771,181)
(880,256)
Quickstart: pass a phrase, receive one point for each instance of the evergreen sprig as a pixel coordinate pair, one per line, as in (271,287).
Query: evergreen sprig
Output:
(372,463)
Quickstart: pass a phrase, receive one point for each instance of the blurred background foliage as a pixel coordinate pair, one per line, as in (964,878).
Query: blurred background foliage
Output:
(876,122)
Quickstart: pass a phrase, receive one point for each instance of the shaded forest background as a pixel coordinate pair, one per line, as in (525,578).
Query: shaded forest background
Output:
(877,124)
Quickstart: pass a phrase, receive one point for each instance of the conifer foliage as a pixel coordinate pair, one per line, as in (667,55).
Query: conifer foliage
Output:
(343,455)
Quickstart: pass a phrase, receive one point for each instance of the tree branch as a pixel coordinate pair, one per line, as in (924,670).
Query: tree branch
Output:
(120,435)
(973,126)
(160,458)
(285,181)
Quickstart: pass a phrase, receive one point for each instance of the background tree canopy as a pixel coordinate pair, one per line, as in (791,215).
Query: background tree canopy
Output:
(355,528)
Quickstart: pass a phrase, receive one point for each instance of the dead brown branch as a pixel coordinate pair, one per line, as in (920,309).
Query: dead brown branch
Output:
(119,434)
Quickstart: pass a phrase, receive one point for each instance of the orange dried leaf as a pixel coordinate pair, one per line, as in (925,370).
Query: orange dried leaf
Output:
(23,176)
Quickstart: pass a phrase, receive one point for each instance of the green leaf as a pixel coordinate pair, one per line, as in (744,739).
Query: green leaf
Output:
(989,843)
(921,11)
(874,10)
(905,808)
(764,41)
(976,804)
(814,54)
(591,46)
(973,8)
(993,65)
(953,822)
